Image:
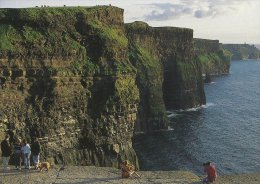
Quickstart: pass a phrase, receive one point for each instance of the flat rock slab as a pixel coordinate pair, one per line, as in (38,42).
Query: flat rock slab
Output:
(253,178)
(82,175)
(102,175)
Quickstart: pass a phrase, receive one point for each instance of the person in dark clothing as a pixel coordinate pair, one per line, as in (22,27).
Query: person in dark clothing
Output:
(18,154)
(6,152)
(36,149)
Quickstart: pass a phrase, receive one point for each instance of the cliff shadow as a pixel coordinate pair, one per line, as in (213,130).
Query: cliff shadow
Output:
(40,101)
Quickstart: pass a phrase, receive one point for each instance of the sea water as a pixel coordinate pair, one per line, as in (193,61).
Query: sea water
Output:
(225,131)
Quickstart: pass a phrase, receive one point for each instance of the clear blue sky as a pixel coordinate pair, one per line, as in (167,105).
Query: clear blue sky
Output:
(230,21)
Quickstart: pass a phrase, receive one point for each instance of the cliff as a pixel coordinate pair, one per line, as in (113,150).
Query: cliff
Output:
(164,58)
(79,80)
(214,59)
(66,78)
(242,51)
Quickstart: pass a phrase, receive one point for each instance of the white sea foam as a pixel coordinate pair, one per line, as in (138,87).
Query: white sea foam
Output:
(173,114)
(196,108)
(138,133)
(170,128)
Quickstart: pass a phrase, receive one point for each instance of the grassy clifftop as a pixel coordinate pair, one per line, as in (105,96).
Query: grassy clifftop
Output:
(242,51)
(93,37)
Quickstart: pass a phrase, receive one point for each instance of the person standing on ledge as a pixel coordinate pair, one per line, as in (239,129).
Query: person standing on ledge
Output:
(26,150)
(6,152)
(36,149)
(211,172)
(18,153)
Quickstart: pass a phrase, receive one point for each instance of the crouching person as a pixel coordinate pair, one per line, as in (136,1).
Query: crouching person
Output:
(128,169)
(211,172)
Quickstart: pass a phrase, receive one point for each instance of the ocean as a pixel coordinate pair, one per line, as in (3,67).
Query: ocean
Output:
(225,131)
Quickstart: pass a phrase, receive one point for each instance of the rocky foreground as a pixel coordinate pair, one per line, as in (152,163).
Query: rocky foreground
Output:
(82,175)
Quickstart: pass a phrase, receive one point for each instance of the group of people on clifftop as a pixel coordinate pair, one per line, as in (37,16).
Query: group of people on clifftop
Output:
(21,152)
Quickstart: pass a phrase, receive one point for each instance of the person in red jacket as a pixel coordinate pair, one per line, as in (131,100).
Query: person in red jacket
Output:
(211,172)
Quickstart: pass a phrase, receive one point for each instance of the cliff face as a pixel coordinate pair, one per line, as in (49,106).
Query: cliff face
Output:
(214,60)
(75,79)
(65,78)
(164,60)
(242,51)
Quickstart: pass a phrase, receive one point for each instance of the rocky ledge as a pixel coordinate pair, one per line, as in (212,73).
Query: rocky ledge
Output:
(91,174)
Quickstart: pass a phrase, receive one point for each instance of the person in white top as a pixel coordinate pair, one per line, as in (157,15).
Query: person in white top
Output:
(26,150)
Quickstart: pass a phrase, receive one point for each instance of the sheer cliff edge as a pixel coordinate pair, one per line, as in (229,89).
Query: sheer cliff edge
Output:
(83,82)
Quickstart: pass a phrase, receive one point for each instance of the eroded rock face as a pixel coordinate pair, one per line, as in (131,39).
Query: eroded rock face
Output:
(213,58)
(66,79)
(168,74)
(75,79)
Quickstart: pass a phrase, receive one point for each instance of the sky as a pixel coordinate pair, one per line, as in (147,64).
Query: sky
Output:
(230,21)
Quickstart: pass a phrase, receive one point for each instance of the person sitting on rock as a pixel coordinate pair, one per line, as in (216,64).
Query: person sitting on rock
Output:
(128,169)
(211,172)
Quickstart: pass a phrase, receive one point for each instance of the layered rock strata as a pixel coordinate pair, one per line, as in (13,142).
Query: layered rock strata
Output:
(79,80)
(66,79)
(164,58)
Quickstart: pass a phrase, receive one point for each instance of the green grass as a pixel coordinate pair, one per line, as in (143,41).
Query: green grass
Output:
(126,90)
(32,35)
(67,33)
(86,67)
(137,25)
(5,43)
(146,62)
(214,61)
(149,79)
(187,70)
(242,51)
(108,33)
